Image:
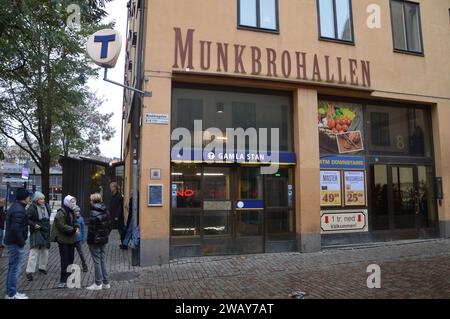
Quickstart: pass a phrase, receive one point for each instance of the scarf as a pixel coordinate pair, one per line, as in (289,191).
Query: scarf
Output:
(42,212)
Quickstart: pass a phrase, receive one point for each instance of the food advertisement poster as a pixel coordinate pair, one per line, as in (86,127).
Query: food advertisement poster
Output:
(330,188)
(340,128)
(355,185)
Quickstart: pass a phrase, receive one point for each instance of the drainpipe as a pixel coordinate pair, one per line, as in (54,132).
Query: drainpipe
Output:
(135,252)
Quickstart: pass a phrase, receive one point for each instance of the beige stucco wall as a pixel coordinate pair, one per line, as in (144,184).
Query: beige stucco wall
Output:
(394,76)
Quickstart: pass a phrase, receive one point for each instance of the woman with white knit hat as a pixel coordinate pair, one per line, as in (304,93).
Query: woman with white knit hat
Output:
(38,214)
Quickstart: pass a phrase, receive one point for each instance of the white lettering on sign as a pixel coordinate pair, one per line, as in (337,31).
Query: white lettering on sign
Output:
(344,221)
(157,119)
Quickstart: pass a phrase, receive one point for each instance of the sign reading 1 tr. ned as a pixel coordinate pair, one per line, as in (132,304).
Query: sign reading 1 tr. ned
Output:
(104,46)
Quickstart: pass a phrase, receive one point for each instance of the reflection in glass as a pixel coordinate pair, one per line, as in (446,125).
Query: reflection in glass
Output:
(250,183)
(413,26)
(404,196)
(398,24)
(248,13)
(427,203)
(217,183)
(250,223)
(216,223)
(268,14)
(344,22)
(380,219)
(326,18)
(186,183)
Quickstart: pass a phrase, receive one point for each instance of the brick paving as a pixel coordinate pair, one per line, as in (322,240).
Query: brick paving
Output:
(410,269)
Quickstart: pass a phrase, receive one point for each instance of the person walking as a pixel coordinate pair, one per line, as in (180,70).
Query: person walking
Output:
(2,224)
(116,210)
(38,214)
(81,237)
(65,232)
(99,229)
(16,234)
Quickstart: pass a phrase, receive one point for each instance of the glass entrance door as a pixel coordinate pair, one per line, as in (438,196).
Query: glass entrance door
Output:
(402,199)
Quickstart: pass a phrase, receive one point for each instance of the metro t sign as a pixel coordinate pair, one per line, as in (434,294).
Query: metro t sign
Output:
(104,46)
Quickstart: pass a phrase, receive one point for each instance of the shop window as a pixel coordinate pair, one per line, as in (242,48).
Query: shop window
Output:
(380,128)
(250,183)
(406,26)
(399,131)
(186,191)
(249,223)
(216,223)
(335,20)
(258,14)
(217,183)
(231,109)
(185,224)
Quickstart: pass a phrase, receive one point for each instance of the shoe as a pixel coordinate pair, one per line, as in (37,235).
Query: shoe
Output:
(21,295)
(61,285)
(123,247)
(106,286)
(16,296)
(30,277)
(42,271)
(94,287)
(85,268)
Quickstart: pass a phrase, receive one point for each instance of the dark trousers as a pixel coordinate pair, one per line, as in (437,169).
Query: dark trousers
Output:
(67,254)
(79,248)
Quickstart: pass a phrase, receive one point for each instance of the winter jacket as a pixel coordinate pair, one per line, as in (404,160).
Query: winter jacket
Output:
(82,235)
(65,227)
(99,225)
(116,210)
(39,238)
(16,228)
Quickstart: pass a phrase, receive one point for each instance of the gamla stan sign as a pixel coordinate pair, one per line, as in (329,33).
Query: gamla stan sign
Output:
(226,57)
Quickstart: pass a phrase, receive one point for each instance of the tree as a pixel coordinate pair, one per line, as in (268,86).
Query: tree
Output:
(43,76)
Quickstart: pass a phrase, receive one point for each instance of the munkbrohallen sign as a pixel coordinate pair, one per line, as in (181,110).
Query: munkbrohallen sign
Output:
(245,59)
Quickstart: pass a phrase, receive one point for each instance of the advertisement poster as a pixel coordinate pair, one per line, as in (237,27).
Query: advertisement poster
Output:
(340,128)
(330,188)
(354,188)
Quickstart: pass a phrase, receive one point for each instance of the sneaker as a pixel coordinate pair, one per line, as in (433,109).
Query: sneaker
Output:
(21,295)
(42,271)
(61,285)
(85,268)
(16,296)
(94,287)
(106,286)
(30,277)
(124,247)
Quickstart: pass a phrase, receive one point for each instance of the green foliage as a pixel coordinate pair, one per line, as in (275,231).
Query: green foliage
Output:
(43,79)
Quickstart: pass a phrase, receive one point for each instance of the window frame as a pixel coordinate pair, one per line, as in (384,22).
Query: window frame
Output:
(407,51)
(258,19)
(336,39)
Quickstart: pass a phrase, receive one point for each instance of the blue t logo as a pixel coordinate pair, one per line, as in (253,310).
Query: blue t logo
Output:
(104,39)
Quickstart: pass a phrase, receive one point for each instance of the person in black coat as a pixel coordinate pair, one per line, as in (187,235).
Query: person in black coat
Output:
(116,210)
(99,229)
(2,224)
(15,238)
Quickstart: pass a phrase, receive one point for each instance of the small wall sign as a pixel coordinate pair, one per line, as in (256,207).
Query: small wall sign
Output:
(151,118)
(155,173)
(155,195)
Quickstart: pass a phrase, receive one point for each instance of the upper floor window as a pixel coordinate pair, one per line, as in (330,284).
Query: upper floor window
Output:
(335,20)
(258,14)
(406,26)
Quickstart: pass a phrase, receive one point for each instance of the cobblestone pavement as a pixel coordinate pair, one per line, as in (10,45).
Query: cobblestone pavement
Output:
(410,269)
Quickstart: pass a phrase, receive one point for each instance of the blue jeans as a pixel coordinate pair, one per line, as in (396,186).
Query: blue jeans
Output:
(15,254)
(128,235)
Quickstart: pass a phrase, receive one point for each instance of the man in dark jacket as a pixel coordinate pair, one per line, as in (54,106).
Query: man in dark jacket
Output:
(97,238)
(116,210)
(15,237)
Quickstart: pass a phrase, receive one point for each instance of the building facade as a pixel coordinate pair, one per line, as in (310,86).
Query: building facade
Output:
(349,99)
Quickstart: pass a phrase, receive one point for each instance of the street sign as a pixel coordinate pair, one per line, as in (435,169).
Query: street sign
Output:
(151,118)
(12,180)
(344,221)
(25,173)
(104,46)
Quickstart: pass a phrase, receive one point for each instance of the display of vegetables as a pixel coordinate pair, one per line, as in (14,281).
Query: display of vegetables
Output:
(335,119)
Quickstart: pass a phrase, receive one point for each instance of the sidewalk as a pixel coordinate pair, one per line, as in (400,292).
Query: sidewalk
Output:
(417,269)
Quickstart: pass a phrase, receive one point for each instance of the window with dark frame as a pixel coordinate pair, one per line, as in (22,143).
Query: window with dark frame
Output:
(380,134)
(406,26)
(335,20)
(258,14)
